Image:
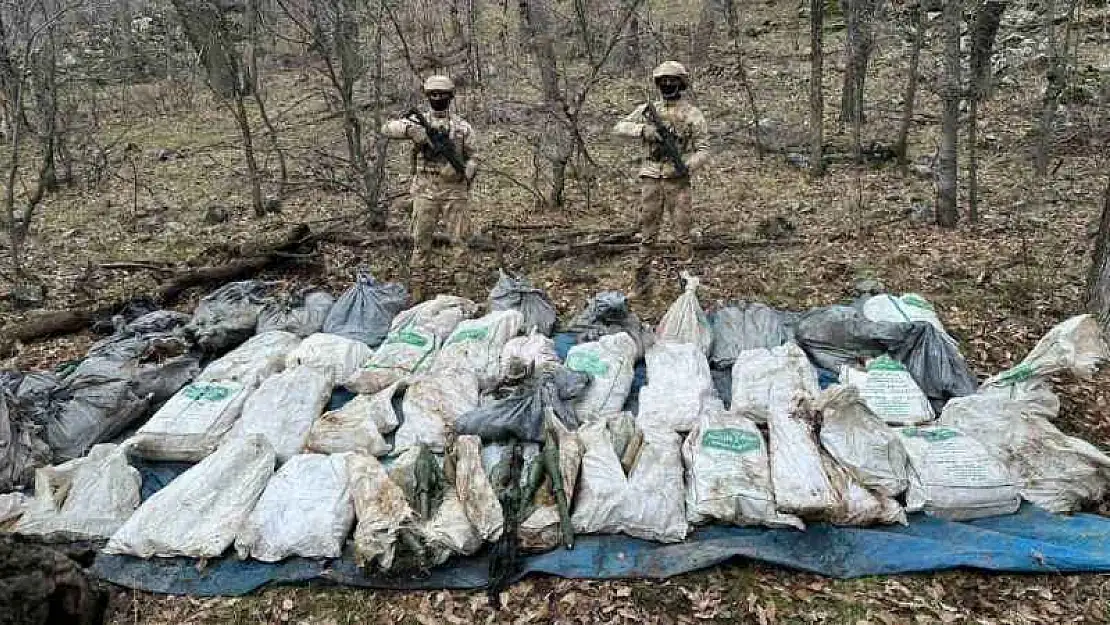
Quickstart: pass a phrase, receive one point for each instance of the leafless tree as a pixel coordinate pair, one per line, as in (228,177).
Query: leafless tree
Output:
(211,30)
(816,90)
(335,30)
(1056,75)
(28,81)
(1098,280)
(860,40)
(562,138)
(712,11)
(733,21)
(987,18)
(917,24)
(947,168)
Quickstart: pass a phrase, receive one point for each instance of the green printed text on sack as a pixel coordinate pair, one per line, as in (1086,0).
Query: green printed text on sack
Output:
(915,300)
(885,363)
(409,338)
(587,362)
(732,439)
(932,435)
(1019,373)
(207,392)
(469,334)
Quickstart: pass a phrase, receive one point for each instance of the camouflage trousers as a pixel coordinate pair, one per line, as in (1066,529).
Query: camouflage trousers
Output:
(434,200)
(656,196)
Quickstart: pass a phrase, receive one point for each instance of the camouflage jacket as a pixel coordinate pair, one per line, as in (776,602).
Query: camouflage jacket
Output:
(430,164)
(686,121)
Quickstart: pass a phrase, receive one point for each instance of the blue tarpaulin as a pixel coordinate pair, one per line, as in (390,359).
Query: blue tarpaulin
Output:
(1031,541)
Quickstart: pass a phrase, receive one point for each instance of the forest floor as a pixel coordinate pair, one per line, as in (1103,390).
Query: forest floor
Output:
(998,284)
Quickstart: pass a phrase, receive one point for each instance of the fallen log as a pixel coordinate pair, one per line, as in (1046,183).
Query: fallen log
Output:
(601,248)
(136,265)
(49,323)
(393,239)
(249,265)
(57,322)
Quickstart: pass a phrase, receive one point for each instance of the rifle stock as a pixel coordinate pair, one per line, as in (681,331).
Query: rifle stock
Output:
(439,141)
(667,140)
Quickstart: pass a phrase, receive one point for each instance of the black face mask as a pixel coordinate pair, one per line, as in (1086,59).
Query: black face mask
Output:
(670,89)
(439,101)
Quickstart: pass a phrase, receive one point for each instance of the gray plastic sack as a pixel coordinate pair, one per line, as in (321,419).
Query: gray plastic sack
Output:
(935,363)
(365,311)
(513,293)
(95,413)
(607,313)
(301,314)
(111,389)
(22,449)
(40,396)
(227,316)
(744,326)
(521,413)
(840,335)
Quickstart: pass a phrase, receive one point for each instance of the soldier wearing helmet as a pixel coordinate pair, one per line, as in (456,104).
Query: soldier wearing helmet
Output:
(439,191)
(662,186)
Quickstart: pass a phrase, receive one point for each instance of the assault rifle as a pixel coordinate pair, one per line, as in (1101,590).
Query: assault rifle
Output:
(439,142)
(667,140)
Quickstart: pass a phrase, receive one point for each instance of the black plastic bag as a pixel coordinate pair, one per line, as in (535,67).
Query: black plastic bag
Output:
(520,414)
(227,316)
(513,293)
(747,325)
(935,364)
(608,313)
(119,381)
(364,311)
(22,449)
(302,314)
(838,335)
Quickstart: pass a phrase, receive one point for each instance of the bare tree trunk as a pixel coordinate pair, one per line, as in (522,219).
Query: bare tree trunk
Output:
(908,99)
(473,45)
(206,32)
(703,33)
(1098,279)
(254,82)
(733,22)
(987,19)
(816,91)
(16,229)
(555,144)
(125,40)
(46,94)
(633,58)
(272,133)
(948,167)
(1056,75)
(239,111)
(581,13)
(860,15)
(973,160)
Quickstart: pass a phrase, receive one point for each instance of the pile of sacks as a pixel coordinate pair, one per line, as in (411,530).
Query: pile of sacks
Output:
(414,435)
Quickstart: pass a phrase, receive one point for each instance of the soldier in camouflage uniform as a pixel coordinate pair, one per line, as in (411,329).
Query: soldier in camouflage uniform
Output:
(660,185)
(438,190)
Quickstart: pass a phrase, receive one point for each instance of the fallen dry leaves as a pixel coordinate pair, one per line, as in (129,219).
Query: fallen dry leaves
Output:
(998,284)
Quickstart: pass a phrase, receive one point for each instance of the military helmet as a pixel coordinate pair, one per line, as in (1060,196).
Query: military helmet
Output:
(438,83)
(671,68)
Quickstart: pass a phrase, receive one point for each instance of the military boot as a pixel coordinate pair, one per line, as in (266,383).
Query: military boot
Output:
(685,253)
(417,286)
(641,284)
